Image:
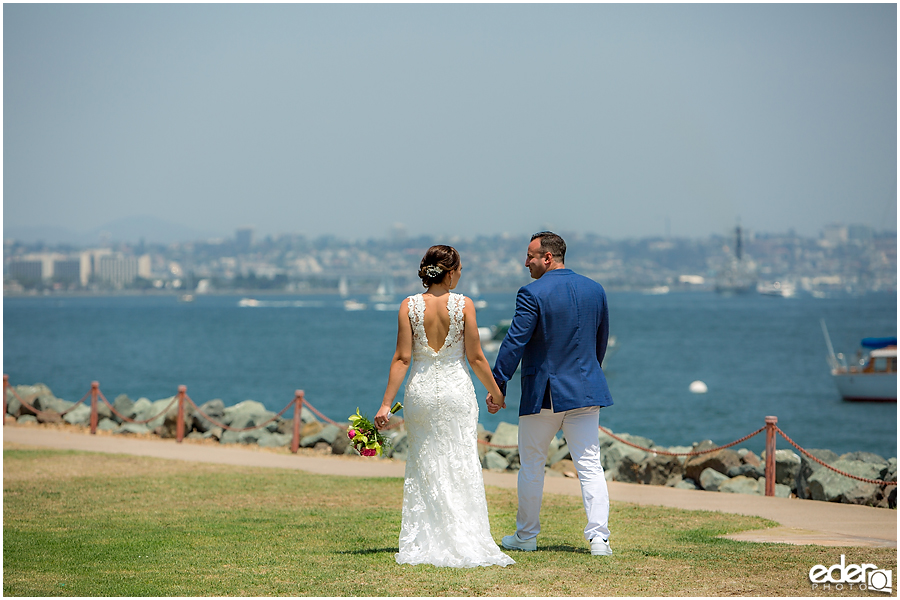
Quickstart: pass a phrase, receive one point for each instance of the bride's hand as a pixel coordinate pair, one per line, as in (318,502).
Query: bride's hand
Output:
(382,417)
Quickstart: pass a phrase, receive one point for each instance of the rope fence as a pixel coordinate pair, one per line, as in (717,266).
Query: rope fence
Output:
(771,428)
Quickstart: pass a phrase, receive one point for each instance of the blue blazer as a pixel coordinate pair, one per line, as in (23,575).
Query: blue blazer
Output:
(559,332)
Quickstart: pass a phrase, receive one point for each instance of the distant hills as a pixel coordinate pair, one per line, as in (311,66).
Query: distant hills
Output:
(128,229)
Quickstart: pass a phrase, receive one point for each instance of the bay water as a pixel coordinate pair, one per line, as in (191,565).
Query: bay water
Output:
(757,355)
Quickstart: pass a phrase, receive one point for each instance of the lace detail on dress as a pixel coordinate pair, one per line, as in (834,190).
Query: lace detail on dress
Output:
(445,519)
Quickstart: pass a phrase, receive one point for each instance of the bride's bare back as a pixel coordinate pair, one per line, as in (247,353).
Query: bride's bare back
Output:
(437,319)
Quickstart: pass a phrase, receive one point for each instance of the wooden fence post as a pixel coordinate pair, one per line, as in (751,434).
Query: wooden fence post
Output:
(298,403)
(179,422)
(770,455)
(95,390)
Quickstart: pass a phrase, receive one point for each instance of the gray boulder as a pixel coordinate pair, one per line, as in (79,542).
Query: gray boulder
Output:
(239,410)
(52,404)
(622,462)
(749,458)
(808,467)
(215,409)
(711,479)
(169,426)
(244,420)
(787,467)
(681,450)
(328,434)
(158,411)
(132,428)
(687,484)
(781,491)
(740,485)
(399,448)
(556,444)
(866,457)
(829,486)
(26,419)
(506,434)
(561,453)
(273,440)
(720,460)
(746,470)
(607,441)
(141,410)
(50,416)
(213,433)
(123,405)
(244,437)
(38,396)
(107,425)
(659,469)
(80,415)
(495,461)
(342,442)
(13,406)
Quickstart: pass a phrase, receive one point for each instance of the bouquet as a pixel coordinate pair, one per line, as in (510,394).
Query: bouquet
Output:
(366,439)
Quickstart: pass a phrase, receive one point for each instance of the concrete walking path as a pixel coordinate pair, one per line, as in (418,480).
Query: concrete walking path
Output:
(801,521)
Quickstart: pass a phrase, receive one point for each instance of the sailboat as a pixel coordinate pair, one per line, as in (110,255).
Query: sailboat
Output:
(385,292)
(474,292)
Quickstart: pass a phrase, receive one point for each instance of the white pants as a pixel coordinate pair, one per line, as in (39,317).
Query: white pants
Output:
(580,427)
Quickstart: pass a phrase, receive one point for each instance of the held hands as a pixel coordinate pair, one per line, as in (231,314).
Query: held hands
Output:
(495,405)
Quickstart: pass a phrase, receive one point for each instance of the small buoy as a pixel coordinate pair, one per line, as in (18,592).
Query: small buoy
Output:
(698,387)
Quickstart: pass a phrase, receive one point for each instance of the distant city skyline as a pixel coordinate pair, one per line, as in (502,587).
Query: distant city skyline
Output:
(454,120)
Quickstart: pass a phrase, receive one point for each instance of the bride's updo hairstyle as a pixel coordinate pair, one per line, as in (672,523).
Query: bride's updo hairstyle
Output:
(437,262)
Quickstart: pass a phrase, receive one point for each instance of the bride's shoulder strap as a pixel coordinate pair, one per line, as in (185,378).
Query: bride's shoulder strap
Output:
(415,307)
(457,306)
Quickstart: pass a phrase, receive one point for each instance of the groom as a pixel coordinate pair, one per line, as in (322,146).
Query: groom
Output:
(559,332)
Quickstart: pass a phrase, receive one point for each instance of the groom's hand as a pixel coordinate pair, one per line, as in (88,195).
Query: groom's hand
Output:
(494,406)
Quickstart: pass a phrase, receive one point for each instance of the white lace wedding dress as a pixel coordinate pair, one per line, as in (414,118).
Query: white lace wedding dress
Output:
(445,518)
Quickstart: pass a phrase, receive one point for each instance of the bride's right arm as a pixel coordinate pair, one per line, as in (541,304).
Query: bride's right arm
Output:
(399,363)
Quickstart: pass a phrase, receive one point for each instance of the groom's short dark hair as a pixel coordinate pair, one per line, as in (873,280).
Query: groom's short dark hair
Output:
(552,243)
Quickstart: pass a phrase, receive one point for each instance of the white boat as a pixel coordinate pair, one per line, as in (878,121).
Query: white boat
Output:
(343,287)
(248,302)
(492,337)
(777,289)
(353,305)
(873,377)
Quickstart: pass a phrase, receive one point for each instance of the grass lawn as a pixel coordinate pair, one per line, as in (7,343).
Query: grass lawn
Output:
(84,524)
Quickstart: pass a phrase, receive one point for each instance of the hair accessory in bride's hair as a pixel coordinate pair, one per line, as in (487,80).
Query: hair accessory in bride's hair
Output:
(433,271)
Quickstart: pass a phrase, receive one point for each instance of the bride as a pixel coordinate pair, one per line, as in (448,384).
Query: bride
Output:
(445,518)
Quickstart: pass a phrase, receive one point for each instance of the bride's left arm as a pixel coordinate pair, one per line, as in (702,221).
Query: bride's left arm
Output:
(475,354)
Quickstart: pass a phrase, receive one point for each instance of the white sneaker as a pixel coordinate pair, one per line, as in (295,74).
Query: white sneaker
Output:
(514,542)
(600,547)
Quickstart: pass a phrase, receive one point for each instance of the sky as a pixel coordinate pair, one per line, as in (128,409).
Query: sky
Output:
(453,120)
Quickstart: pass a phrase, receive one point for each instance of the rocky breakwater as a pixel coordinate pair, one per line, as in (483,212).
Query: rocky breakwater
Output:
(247,422)
(734,471)
(737,471)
